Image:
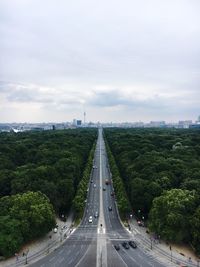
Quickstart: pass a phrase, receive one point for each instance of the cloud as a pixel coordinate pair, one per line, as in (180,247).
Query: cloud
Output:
(123,55)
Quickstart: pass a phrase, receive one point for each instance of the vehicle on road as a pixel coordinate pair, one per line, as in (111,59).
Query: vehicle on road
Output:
(95,185)
(140,223)
(90,219)
(112,194)
(107,182)
(55,230)
(104,189)
(110,208)
(96,215)
(132,244)
(117,247)
(125,245)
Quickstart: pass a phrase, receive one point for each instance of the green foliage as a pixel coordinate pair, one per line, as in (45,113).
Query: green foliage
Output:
(79,200)
(151,161)
(23,217)
(50,161)
(195,229)
(122,199)
(170,214)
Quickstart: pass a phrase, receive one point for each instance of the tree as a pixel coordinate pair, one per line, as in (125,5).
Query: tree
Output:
(195,229)
(11,237)
(170,214)
(22,218)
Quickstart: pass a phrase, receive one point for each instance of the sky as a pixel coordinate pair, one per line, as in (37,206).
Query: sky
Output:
(117,60)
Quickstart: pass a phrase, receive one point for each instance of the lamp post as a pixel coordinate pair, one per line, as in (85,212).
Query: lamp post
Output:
(171,251)
(151,242)
(49,241)
(61,232)
(139,213)
(26,254)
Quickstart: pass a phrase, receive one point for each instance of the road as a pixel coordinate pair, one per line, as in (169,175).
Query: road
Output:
(92,243)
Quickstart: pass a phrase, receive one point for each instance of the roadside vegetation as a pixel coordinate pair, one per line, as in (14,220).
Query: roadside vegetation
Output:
(120,192)
(81,195)
(23,217)
(160,169)
(39,176)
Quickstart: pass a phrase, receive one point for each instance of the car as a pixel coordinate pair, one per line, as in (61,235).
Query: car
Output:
(112,194)
(110,208)
(63,227)
(107,182)
(95,185)
(96,215)
(91,181)
(90,219)
(132,244)
(55,230)
(104,189)
(140,223)
(117,247)
(125,245)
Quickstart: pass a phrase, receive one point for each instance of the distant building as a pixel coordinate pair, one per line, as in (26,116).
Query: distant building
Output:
(194,126)
(78,122)
(184,124)
(157,124)
(74,122)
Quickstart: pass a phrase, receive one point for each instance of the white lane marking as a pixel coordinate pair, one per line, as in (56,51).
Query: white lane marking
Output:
(82,257)
(70,261)
(120,257)
(61,260)
(52,258)
(61,251)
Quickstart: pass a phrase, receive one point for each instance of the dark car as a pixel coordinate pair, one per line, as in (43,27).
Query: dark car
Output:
(140,223)
(112,194)
(110,208)
(125,245)
(132,244)
(117,247)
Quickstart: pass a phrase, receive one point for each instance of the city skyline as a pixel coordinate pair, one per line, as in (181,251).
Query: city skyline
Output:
(117,61)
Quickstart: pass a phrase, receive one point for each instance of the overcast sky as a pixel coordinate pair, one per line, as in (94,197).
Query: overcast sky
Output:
(118,60)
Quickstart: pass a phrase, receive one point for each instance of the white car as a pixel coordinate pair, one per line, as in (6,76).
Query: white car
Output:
(90,219)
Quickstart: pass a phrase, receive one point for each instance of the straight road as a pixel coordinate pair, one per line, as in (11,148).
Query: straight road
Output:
(92,243)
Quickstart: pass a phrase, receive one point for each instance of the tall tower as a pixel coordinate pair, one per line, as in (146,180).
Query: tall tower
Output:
(84,114)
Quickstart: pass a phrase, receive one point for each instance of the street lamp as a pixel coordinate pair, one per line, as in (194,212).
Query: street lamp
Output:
(151,242)
(171,251)
(61,232)
(26,254)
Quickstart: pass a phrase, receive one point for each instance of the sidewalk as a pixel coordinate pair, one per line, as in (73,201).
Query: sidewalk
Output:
(38,249)
(169,254)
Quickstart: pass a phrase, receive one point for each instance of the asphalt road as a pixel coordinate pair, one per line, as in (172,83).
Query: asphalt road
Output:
(92,243)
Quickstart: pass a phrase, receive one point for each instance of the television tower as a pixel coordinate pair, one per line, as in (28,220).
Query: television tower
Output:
(84,114)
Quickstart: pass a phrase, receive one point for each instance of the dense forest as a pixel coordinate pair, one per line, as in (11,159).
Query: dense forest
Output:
(47,163)
(160,169)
